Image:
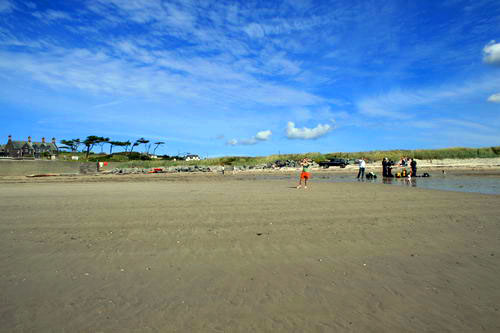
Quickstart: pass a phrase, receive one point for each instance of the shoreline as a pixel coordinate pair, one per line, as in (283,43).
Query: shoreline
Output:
(451,167)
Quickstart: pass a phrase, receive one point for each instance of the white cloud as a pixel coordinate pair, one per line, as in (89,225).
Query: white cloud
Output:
(495,98)
(260,136)
(263,135)
(293,132)
(491,53)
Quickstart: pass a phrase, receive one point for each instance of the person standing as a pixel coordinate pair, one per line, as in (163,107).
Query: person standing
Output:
(306,172)
(362,166)
(384,167)
(413,165)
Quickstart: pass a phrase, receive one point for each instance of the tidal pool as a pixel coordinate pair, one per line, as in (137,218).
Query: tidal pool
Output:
(477,181)
(486,184)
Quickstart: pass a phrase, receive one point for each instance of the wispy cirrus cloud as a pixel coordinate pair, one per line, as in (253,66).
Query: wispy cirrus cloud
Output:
(165,75)
(103,105)
(30,5)
(6,6)
(259,137)
(52,15)
(306,133)
(466,124)
(146,66)
(397,104)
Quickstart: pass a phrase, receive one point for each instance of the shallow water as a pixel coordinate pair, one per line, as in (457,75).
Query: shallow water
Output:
(485,184)
(460,183)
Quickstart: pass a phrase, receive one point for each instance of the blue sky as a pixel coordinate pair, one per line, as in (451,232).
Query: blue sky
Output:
(253,77)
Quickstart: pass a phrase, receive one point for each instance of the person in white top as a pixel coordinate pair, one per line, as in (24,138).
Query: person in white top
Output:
(362,166)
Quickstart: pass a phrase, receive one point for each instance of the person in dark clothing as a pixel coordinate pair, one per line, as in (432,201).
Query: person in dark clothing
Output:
(413,166)
(384,167)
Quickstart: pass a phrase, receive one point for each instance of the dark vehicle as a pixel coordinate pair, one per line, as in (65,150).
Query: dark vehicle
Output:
(285,163)
(334,162)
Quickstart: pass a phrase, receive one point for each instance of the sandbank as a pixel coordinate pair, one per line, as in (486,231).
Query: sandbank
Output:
(206,253)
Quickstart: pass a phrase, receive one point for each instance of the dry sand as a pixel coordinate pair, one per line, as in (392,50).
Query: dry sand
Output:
(205,253)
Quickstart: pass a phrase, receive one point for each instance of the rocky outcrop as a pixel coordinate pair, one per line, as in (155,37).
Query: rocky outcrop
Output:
(198,168)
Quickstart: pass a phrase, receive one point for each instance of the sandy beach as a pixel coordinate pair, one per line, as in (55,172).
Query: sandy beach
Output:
(206,253)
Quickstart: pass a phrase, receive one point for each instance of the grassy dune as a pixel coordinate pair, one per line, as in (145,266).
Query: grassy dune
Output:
(425,154)
(376,155)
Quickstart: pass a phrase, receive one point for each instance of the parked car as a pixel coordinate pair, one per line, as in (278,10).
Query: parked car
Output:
(341,162)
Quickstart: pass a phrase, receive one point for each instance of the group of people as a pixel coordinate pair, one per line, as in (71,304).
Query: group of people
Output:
(387,166)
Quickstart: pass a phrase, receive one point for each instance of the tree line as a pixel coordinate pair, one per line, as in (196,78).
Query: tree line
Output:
(91,141)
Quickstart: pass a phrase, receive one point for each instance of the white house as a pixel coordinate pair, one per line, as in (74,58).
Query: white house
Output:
(192,158)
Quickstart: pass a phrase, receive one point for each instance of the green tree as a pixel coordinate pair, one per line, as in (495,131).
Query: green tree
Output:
(125,144)
(135,144)
(144,142)
(102,142)
(118,144)
(157,145)
(111,144)
(91,141)
(72,144)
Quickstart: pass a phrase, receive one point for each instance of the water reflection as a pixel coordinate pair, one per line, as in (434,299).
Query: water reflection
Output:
(461,183)
(387,180)
(487,185)
(407,181)
(411,182)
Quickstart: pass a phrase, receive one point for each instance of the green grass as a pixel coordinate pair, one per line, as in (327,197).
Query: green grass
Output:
(376,155)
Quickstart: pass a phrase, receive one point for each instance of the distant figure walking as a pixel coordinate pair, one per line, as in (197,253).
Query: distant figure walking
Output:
(306,172)
(362,166)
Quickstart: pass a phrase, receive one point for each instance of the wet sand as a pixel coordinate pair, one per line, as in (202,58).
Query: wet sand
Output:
(205,253)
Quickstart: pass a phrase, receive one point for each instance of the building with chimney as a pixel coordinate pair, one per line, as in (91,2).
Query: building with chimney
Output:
(30,149)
